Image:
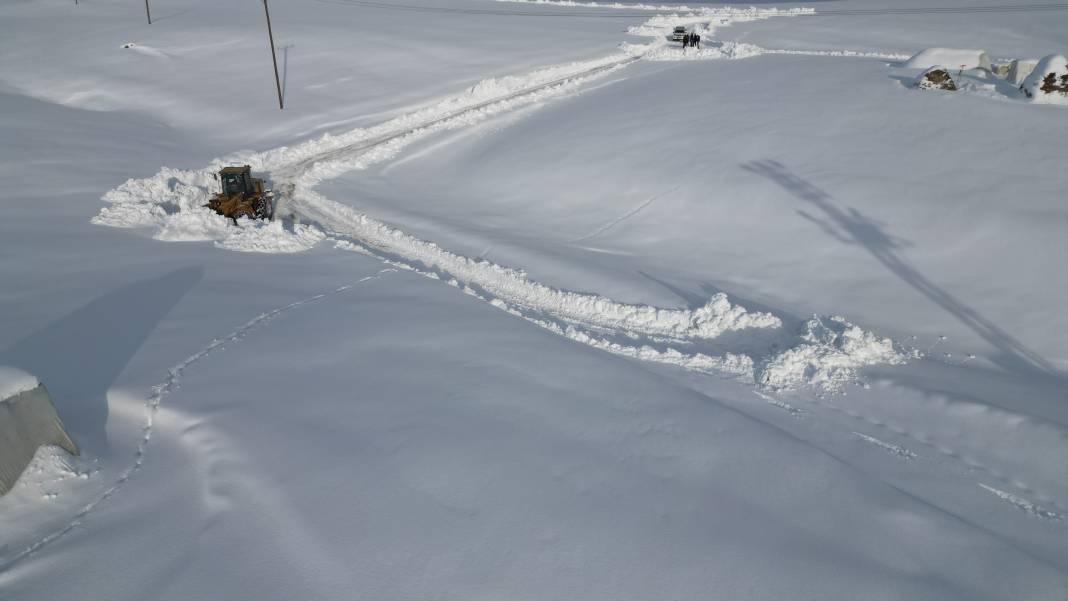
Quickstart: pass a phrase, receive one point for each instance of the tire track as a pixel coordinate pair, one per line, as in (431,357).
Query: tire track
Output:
(631,213)
(302,166)
(509,289)
(942,449)
(336,222)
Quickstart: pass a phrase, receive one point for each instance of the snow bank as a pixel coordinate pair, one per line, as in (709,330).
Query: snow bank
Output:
(697,10)
(172,202)
(952,58)
(889,56)
(49,469)
(14,381)
(605,5)
(514,288)
(737,50)
(730,364)
(1048,82)
(704,22)
(725,50)
(830,355)
(1020,69)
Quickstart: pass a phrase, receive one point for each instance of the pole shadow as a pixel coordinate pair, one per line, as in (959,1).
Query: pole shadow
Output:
(79,356)
(171,15)
(285,70)
(850,226)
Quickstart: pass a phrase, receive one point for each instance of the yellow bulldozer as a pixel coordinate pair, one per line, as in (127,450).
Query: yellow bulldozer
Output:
(242,195)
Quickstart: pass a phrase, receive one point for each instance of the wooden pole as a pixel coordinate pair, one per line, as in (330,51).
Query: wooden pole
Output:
(148,13)
(274,58)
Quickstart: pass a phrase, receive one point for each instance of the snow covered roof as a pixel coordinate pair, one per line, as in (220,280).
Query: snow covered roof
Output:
(1055,64)
(14,381)
(952,58)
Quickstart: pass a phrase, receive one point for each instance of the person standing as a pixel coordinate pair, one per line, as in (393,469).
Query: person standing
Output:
(696,41)
(685,41)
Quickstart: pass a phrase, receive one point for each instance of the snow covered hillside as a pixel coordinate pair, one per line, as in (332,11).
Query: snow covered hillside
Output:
(554,308)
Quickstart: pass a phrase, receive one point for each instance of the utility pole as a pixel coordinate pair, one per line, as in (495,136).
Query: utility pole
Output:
(148,12)
(274,58)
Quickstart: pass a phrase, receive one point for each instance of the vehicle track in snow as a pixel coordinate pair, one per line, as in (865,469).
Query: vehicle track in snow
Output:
(355,230)
(679,337)
(302,166)
(296,180)
(625,216)
(945,450)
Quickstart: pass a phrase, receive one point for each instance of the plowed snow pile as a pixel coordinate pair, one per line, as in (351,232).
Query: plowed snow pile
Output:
(173,202)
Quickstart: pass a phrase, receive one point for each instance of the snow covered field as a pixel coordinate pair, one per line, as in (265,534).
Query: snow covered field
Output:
(552,312)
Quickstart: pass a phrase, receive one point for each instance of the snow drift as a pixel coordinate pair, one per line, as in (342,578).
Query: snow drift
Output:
(1019,69)
(28,421)
(952,58)
(1048,82)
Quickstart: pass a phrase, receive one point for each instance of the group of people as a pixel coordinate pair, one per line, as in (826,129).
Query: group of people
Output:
(691,40)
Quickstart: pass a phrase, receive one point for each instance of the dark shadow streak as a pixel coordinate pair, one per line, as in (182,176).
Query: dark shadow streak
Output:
(852,227)
(81,355)
(170,15)
(285,68)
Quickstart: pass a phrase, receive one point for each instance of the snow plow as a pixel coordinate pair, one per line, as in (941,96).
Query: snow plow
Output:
(28,420)
(242,195)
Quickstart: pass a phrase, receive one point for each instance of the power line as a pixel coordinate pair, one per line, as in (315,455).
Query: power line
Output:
(1006,8)
(481,11)
(616,11)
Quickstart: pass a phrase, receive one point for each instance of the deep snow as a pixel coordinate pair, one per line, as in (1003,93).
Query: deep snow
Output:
(330,424)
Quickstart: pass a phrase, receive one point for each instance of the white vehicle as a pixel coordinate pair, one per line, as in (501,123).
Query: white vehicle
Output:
(676,36)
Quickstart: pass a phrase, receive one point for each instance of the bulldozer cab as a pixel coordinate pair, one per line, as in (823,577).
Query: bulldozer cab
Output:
(242,195)
(236,180)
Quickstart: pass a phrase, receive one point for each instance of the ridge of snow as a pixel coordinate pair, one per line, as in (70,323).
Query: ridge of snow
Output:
(704,10)
(953,58)
(513,286)
(831,353)
(173,202)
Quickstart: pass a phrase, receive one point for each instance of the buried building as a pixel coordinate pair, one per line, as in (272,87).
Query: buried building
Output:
(949,58)
(1019,69)
(1048,81)
(28,420)
(936,78)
